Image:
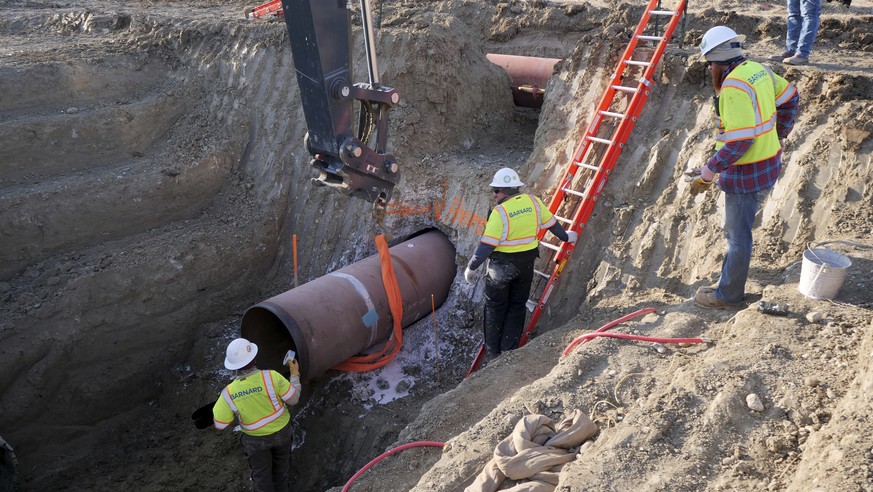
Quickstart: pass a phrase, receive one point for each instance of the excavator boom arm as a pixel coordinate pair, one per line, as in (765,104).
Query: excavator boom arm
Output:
(320,36)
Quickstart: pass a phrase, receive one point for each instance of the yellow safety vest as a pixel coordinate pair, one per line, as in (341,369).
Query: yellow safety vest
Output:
(747,109)
(257,401)
(514,224)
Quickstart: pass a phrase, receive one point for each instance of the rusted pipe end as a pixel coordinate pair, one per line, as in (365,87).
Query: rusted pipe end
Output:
(346,312)
(529,76)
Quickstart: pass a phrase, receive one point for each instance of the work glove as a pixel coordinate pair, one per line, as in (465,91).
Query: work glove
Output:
(572,237)
(697,178)
(470,276)
(699,185)
(294,367)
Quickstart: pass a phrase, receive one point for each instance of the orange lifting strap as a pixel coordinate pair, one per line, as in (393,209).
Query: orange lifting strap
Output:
(363,363)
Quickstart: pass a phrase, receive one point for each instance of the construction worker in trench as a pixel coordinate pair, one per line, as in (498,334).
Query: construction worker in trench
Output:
(510,245)
(754,111)
(257,399)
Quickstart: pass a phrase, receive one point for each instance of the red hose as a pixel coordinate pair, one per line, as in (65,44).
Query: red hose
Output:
(605,327)
(389,453)
(600,333)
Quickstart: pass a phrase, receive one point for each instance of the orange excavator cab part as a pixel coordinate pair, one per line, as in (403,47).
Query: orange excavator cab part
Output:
(273,8)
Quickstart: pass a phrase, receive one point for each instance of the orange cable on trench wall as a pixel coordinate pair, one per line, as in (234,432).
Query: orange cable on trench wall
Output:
(294,242)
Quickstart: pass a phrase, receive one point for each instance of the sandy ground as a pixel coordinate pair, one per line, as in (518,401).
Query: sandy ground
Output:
(152,175)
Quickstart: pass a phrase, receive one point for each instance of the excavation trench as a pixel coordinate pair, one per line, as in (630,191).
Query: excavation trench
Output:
(131,245)
(149,200)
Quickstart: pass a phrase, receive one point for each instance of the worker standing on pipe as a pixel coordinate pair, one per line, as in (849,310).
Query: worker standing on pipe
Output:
(754,112)
(511,246)
(257,399)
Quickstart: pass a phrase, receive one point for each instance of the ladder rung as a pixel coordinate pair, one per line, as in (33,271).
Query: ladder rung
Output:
(588,166)
(610,113)
(573,192)
(600,140)
(650,38)
(531,305)
(563,219)
(638,63)
(624,88)
(550,246)
(541,274)
(668,13)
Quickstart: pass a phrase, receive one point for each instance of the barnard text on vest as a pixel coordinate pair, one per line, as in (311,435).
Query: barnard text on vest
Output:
(246,392)
(521,211)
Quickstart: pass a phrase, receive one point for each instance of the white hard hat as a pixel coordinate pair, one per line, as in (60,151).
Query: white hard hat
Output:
(718,35)
(239,353)
(506,178)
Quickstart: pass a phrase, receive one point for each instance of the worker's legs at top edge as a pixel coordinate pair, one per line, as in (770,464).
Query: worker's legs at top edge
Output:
(498,279)
(803,22)
(739,218)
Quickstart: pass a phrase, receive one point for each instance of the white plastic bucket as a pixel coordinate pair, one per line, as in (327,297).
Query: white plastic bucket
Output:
(822,273)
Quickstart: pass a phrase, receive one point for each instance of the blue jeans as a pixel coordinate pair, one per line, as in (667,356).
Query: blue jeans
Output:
(803,19)
(739,218)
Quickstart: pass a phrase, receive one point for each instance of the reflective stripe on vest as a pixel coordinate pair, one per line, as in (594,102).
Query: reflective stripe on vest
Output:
(747,78)
(786,95)
(278,408)
(524,243)
(761,127)
(504,239)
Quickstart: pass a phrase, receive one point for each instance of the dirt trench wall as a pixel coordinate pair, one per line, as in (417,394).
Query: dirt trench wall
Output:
(150,240)
(112,262)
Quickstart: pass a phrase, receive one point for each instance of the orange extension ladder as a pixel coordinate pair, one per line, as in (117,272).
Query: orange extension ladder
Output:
(599,149)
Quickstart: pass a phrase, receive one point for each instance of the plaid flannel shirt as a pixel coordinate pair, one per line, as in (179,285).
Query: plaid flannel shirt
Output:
(756,176)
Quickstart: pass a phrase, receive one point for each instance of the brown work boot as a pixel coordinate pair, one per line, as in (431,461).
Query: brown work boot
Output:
(781,56)
(796,60)
(707,299)
(708,288)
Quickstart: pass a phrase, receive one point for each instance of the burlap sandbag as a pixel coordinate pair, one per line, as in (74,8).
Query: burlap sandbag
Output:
(535,452)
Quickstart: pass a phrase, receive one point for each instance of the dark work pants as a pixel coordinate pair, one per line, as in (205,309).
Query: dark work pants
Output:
(507,287)
(270,459)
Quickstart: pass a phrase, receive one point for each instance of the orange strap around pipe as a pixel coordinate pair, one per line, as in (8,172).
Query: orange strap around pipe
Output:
(363,363)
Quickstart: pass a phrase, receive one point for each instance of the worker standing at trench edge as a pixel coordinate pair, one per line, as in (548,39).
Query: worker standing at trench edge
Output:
(510,245)
(257,399)
(754,111)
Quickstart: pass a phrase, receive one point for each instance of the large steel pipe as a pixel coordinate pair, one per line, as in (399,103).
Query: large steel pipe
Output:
(346,312)
(529,76)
